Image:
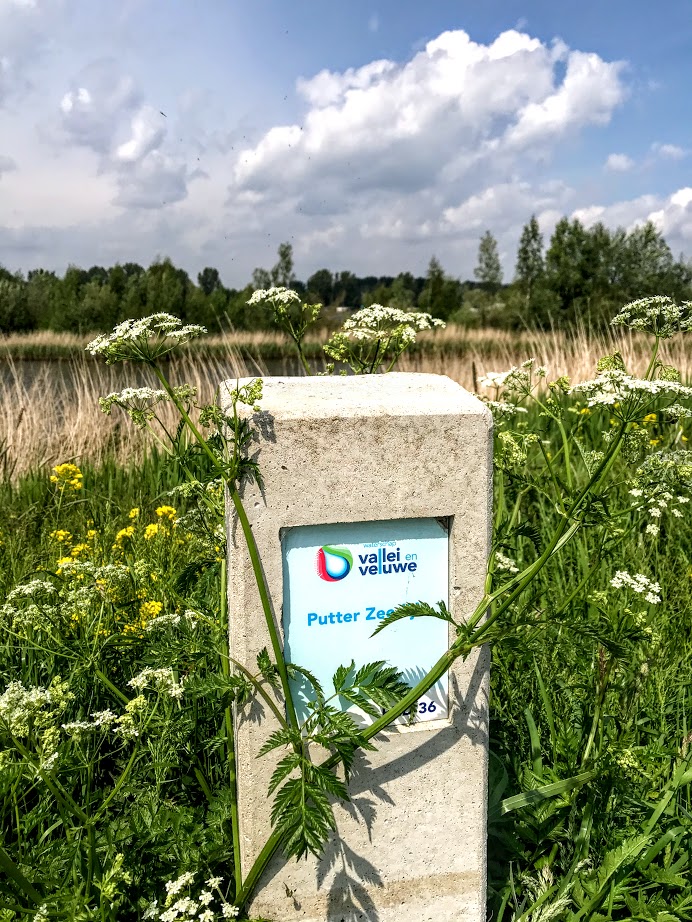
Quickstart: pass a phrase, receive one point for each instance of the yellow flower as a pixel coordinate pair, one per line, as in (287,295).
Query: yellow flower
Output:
(78,549)
(585,411)
(91,534)
(61,535)
(122,535)
(166,512)
(654,442)
(133,513)
(67,475)
(151,531)
(650,418)
(684,438)
(62,561)
(150,609)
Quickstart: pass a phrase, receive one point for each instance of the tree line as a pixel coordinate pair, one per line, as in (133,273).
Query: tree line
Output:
(581,278)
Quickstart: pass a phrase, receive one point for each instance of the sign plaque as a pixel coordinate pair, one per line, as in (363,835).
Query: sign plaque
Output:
(341,581)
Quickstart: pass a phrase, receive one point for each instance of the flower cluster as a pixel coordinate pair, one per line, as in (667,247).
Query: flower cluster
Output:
(67,477)
(663,483)
(22,709)
(659,315)
(517,379)
(144,340)
(162,680)
(638,583)
(124,725)
(209,905)
(139,402)
(615,387)
(505,563)
(376,333)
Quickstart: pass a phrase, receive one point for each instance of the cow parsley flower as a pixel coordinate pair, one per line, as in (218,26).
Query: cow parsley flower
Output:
(505,563)
(638,583)
(615,386)
(162,680)
(144,340)
(377,334)
(139,402)
(659,315)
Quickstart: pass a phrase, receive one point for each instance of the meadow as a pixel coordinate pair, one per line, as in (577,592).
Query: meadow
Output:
(591,710)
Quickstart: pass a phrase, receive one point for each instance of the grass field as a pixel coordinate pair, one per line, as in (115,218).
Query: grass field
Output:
(591,685)
(53,415)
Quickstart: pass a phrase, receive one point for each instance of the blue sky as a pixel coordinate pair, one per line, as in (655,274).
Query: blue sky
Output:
(370,134)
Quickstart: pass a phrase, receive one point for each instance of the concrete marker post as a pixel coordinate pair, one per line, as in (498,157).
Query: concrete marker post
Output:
(368,467)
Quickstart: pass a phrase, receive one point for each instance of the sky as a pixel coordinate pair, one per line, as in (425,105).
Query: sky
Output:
(371,134)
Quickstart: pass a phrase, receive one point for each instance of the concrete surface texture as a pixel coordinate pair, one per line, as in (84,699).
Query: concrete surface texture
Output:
(412,844)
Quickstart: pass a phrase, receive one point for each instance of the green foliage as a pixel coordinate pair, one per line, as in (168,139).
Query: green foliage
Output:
(489,269)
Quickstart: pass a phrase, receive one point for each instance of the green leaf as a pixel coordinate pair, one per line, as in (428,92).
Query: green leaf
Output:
(268,670)
(288,764)
(509,804)
(295,671)
(283,737)
(415,610)
(341,674)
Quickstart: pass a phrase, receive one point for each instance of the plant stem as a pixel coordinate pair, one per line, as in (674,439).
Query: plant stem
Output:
(230,729)
(266,603)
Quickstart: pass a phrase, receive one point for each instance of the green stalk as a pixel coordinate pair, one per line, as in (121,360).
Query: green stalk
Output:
(266,603)
(12,871)
(251,545)
(230,731)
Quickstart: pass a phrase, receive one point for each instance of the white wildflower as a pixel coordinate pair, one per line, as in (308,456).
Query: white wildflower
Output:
(658,314)
(652,529)
(636,492)
(614,386)
(30,589)
(230,912)
(214,883)
(162,680)
(161,621)
(276,295)
(505,563)
(145,339)
(205,897)
(175,886)
(502,408)
(637,583)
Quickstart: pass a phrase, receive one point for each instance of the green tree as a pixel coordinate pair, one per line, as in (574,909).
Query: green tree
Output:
(530,269)
(566,267)
(321,286)
(282,273)
(209,280)
(489,270)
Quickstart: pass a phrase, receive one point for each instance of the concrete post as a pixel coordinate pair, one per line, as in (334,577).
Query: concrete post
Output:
(375,466)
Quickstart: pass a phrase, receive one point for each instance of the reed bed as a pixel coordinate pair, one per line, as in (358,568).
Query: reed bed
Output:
(50,410)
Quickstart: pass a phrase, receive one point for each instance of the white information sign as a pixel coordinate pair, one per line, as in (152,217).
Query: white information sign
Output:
(340,581)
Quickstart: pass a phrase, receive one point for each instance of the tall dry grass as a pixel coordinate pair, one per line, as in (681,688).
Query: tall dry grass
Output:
(49,412)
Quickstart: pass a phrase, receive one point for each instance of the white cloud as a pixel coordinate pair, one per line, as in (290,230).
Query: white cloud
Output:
(619,163)
(26,28)
(94,110)
(387,164)
(668,151)
(7,164)
(456,109)
(147,133)
(672,216)
(104,112)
